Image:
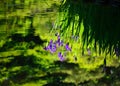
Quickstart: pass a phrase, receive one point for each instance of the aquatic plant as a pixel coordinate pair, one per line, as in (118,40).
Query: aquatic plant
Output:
(100,20)
(61,56)
(67,47)
(53,46)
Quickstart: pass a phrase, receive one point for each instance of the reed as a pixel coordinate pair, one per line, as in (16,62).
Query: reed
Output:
(101,23)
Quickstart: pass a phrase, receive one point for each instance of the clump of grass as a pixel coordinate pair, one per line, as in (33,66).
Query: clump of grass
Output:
(101,24)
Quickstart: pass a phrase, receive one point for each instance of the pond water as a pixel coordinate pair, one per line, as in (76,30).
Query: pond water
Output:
(25,31)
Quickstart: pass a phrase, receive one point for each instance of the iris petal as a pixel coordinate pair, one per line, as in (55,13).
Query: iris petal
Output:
(60,56)
(46,48)
(67,47)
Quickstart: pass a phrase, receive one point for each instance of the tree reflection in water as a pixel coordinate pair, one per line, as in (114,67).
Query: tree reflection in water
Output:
(24,27)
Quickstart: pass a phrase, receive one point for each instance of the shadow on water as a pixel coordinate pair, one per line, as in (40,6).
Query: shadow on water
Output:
(24,68)
(18,38)
(56,73)
(60,84)
(20,69)
(66,65)
(27,72)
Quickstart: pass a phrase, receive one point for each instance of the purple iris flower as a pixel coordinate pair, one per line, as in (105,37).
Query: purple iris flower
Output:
(51,47)
(61,56)
(46,48)
(59,41)
(67,47)
(51,41)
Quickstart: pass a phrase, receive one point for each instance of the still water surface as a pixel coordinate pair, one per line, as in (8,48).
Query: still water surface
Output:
(24,30)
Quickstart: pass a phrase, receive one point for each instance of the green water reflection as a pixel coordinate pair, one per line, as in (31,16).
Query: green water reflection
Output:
(25,26)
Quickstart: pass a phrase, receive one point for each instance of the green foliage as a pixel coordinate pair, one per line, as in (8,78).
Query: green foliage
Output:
(23,62)
(101,24)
